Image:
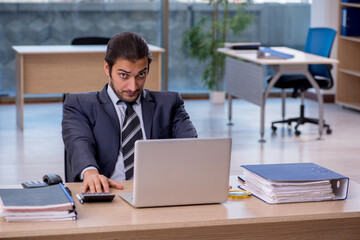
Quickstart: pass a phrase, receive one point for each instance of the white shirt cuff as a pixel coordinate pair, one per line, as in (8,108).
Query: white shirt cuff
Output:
(85,169)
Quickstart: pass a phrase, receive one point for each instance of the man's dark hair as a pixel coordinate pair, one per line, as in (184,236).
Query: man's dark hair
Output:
(129,46)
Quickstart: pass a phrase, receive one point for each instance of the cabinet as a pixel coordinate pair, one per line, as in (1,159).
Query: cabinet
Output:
(348,75)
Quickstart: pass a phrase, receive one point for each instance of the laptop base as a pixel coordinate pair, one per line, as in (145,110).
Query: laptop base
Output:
(128,197)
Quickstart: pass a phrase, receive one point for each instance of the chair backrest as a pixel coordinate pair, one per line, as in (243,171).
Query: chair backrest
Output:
(90,41)
(320,41)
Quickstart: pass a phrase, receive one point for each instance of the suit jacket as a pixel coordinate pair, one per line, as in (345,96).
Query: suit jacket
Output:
(91,131)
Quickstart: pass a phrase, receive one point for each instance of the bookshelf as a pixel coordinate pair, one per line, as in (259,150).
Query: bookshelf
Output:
(348,75)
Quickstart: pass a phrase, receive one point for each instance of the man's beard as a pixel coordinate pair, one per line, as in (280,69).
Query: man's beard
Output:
(120,95)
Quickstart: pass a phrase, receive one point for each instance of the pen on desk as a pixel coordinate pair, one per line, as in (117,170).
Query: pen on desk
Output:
(241,178)
(79,198)
(242,182)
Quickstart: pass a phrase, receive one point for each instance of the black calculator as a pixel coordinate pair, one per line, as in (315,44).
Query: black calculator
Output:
(34,184)
(95,197)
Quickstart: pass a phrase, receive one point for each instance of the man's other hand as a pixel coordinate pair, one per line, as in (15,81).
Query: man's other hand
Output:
(96,182)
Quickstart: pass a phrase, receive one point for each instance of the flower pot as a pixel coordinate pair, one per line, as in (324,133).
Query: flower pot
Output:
(217,97)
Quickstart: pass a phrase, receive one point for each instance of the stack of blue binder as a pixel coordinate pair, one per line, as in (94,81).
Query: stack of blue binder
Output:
(294,182)
(51,203)
(350,21)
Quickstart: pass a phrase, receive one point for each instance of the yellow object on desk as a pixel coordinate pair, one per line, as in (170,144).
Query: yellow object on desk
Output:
(238,194)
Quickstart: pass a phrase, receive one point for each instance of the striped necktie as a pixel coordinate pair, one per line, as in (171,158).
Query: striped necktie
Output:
(131,132)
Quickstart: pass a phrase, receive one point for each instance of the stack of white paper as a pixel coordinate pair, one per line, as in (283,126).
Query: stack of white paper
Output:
(282,192)
(40,216)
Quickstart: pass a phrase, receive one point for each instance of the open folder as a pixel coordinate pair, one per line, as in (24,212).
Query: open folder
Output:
(294,182)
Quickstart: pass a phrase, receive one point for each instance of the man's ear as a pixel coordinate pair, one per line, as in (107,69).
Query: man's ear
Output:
(107,68)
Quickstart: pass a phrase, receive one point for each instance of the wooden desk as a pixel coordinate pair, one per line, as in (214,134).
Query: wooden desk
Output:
(245,76)
(243,219)
(67,69)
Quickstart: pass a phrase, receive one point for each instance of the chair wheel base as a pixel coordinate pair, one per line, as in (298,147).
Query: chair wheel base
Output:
(297,132)
(328,131)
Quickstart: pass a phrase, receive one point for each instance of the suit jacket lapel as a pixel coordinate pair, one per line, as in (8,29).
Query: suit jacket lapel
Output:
(147,105)
(108,107)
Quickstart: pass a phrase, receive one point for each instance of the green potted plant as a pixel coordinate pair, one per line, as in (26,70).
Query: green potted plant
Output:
(202,41)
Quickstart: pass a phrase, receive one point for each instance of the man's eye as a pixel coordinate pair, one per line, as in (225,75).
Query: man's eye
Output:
(123,75)
(142,74)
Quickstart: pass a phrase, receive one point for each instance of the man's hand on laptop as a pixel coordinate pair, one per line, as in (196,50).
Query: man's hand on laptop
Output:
(96,182)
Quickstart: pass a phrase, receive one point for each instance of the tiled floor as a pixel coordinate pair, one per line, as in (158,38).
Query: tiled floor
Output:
(38,150)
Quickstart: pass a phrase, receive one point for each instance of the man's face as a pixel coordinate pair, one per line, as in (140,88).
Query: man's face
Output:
(127,78)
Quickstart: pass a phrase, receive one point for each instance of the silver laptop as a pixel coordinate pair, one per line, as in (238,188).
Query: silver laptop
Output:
(187,171)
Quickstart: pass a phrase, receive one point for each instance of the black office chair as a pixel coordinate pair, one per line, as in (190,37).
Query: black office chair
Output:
(319,41)
(67,168)
(90,41)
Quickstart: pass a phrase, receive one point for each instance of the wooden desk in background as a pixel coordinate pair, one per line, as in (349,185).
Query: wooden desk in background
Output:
(245,76)
(67,69)
(242,219)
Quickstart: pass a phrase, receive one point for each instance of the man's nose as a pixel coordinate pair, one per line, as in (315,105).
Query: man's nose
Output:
(132,84)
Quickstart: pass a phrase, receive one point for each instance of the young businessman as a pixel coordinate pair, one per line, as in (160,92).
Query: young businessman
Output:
(99,128)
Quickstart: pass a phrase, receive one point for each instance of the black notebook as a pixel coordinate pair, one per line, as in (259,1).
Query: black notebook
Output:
(243,45)
(51,198)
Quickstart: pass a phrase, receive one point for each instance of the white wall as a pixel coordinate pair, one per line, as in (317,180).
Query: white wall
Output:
(324,13)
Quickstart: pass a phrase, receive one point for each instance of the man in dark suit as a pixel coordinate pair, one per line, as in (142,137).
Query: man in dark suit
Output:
(92,122)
